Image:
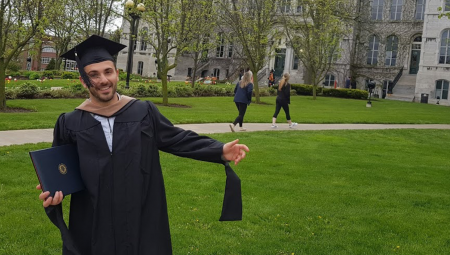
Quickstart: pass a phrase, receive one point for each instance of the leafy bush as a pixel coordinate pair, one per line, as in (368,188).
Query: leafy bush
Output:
(77,90)
(303,89)
(70,75)
(154,90)
(61,93)
(307,90)
(184,91)
(171,92)
(27,90)
(34,75)
(49,74)
(13,73)
(346,93)
(140,90)
(10,93)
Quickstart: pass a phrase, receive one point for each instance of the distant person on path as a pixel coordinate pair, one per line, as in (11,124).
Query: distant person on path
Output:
(241,73)
(123,208)
(271,78)
(347,83)
(242,98)
(283,100)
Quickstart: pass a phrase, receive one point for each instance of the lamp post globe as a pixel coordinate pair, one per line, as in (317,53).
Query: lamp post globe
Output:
(129,4)
(140,7)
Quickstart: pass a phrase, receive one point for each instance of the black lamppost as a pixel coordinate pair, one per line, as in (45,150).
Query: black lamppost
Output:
(135,14)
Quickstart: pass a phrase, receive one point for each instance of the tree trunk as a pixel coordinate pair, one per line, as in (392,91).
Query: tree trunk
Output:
(164,87)
(314,91)
(194,71)
(2,85)
(256,88)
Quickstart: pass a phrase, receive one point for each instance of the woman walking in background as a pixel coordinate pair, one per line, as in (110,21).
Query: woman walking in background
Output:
(283,100)
(242,98)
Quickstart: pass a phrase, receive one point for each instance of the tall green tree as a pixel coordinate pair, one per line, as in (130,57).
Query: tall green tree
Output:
(315,34)
(251,25)
(19,23)
(169,24)
(62,27)
(201,22)
(93,17)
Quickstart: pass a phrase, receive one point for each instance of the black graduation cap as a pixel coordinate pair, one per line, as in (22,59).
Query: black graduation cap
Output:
(93,50)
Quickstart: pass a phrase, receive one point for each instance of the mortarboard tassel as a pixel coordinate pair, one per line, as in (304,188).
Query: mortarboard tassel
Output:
(232,201)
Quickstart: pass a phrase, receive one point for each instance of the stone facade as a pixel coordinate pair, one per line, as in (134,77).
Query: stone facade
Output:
(432,73)
(400,34)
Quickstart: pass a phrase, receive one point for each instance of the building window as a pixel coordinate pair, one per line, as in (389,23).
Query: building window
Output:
(444,53)
(329,80)
(377,10)
(71,65)
(45,60)
(144,35)
(230,50)
(447,5)
(295,63)
(285,6)
(420,9)
(143,45)
(140,67)
(441,89)
(49,49)
(391,50)
(372,53)
(299,8)
(220,46)
(396,9)
(134,45)
(189,72)
(216,72)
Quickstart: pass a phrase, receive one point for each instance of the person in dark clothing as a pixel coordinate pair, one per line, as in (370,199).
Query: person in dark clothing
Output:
(242,98)
(271,78)
(123,208)
(347,83)
(283,100)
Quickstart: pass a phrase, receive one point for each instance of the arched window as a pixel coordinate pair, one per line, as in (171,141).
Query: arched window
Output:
(441,89)
(444,52)
(372,53)
(329,80)
(396,9)
(377,9)
(420,9)
(391,50)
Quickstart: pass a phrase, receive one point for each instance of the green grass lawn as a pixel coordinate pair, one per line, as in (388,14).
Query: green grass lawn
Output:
(304,192)
(222,109)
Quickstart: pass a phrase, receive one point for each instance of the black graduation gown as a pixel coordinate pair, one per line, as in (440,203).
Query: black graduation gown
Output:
(123,208)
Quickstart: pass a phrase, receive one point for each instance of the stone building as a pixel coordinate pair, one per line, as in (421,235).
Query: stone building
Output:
(401,45)
(433,77)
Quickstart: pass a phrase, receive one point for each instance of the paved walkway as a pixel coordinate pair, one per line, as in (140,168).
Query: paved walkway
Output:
(46,135)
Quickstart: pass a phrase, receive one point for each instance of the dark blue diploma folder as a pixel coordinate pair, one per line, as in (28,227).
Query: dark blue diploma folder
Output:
(58,169)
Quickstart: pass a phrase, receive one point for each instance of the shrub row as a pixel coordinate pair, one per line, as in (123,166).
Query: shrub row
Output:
(307,90)
(29,90)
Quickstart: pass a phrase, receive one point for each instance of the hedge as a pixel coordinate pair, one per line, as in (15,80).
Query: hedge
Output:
(307,90)
(29,90)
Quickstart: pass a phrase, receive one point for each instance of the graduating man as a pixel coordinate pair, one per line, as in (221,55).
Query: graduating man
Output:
(123,207)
